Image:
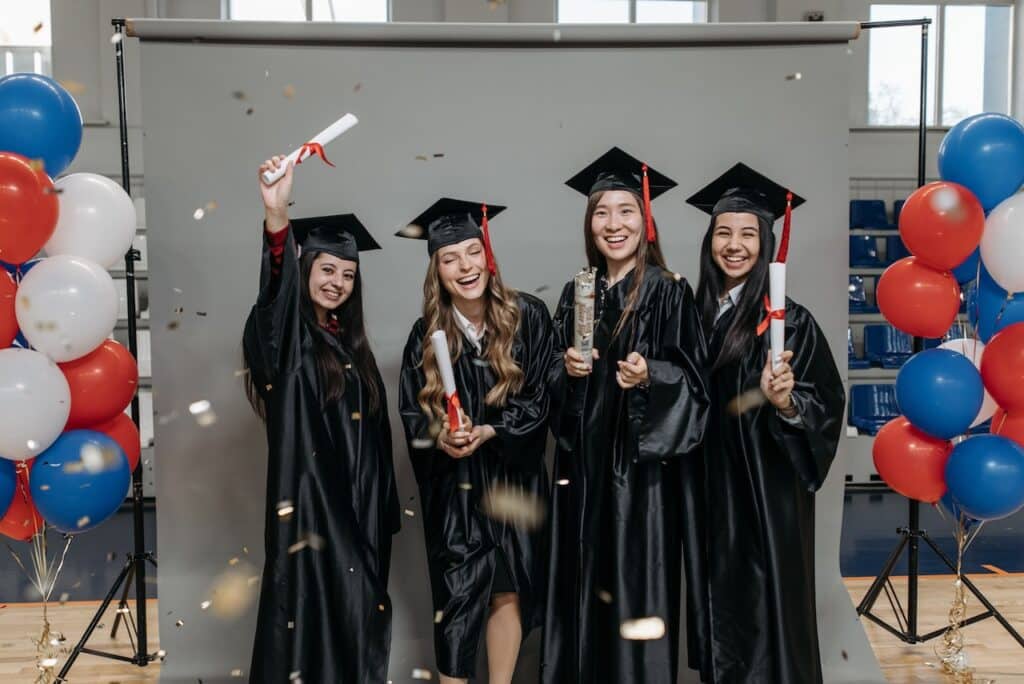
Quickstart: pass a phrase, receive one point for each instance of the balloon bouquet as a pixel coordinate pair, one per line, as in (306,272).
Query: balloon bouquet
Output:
(67,449)
(965,231)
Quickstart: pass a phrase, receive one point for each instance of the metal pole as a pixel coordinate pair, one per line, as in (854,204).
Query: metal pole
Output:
(138,517)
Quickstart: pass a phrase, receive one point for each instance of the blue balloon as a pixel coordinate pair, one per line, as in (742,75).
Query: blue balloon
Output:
(18,272)
(989,308)
(80,481)
(985,475)
(968,270)
(8,484)
(984,153)
(950,504)
(940,392)
(40,120)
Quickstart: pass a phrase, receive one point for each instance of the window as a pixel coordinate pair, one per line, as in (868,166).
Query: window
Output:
(968,63)
(25,37)
(632,11)
(321,10)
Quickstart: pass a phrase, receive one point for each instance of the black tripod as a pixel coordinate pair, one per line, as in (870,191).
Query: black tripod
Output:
(135,567)
(912,534)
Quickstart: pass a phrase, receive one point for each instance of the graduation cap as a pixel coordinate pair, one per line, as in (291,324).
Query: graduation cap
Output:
(341,235)
(617,170)
(742,189)
(450,221)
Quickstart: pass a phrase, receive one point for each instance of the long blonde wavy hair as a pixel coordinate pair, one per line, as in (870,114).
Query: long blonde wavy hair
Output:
(501,316)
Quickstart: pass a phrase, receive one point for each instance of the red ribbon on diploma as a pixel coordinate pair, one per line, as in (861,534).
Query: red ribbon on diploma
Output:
(776,314)
(312,149)
(454,413)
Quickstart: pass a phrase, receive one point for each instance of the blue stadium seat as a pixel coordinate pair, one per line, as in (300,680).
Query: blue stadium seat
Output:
(886,346)
(897,207)
(859,302)
(864,251)
(869,214)
(854,362)
(895,249)
(872,406)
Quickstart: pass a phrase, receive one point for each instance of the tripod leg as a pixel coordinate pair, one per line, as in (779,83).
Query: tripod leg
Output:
(876,587)
(95,621)
(121,605)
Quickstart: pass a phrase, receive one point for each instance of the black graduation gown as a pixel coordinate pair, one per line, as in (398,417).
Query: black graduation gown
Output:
(464,545)
(761,477)
(621,491)
(324,610)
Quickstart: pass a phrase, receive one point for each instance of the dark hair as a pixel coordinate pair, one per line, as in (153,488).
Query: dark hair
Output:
(646,253)
(750,309)
(351,334)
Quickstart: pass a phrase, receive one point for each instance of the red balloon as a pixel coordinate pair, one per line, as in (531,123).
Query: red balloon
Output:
(911,462)
(8,320)
(22,520)
(28,208)
(123,431)
(102,384)
(917,299)
(1002,367)
(1009,425)
(941,224)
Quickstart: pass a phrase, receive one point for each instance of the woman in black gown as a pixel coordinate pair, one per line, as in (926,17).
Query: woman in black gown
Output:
(764,457)
(624,425)
(485,567)
(332,506)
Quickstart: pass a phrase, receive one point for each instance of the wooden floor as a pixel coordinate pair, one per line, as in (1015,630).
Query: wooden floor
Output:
(993,653)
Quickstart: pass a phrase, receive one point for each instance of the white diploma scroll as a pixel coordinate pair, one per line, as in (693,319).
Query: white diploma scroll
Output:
(443,358)
(323,138)
(777,295)
(583,323)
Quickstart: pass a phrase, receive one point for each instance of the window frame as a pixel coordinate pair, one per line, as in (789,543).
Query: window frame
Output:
(632,4)
(937,33)
(225,10)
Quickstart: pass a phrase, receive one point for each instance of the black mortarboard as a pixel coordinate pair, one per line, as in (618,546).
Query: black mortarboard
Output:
(742,189)
(450,221)
(617,170)
(341,235)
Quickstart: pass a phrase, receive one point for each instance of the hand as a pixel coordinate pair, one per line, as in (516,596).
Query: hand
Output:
(777,383)
(276,197)
(632,371)
(465,441)
(575,366)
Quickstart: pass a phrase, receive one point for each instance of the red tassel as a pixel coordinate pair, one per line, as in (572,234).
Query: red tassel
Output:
(491,266)
(786,223)
(454,412)
(648,217)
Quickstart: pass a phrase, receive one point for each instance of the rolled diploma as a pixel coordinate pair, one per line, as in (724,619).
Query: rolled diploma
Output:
(324,137)
(439,341)
(777,295)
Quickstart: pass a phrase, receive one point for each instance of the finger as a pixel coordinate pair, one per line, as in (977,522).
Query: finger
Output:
(573,355)
(630,367)
(634,358)
(594,354)
(786,355)
(781,369)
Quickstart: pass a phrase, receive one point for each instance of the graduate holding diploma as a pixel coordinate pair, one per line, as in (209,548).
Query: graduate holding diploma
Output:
(771,436)
(475,409)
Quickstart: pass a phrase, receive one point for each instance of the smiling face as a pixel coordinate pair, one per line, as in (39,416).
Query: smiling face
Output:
(735,245)
(462,268)
(616,226)
(331,281)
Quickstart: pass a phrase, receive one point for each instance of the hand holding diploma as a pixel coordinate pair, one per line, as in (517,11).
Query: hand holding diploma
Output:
(314,147)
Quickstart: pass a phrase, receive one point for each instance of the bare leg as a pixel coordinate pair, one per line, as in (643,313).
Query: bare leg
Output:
(452,680)
(504,636)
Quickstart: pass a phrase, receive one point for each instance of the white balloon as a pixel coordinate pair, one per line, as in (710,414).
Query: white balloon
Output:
(66,307)
(96,221)
(974,349)
(1002,244)
(34,403)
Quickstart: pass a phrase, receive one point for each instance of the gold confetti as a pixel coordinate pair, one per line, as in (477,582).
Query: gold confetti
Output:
(291,624)
(438,155)
(562,482)
(82,522)
(605,596)
(249,111)
(173,325)
(380,607)
(465,486)
(542,288)
(438,616)
(240,373)
(746,401)
(236,673)
(36,164)
(198,214)
(47,663)
(420,673)
(161,654)
(238,94)
(294,676)
(211,205)
(285,509)
(233,561)
(73,87)
(356,415)
(205,604)
(642,629)
(411,513)
(516,507)
(179,624)
(422,443)
(289,91)
(64,598)
(37,28)
(421,157)
(794,76)
(116,38)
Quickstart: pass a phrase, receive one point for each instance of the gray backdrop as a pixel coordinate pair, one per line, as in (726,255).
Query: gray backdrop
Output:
(512,120)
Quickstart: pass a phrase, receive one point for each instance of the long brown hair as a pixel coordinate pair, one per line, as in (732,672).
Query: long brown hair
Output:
(501,316)
(646,253)
(330,368)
